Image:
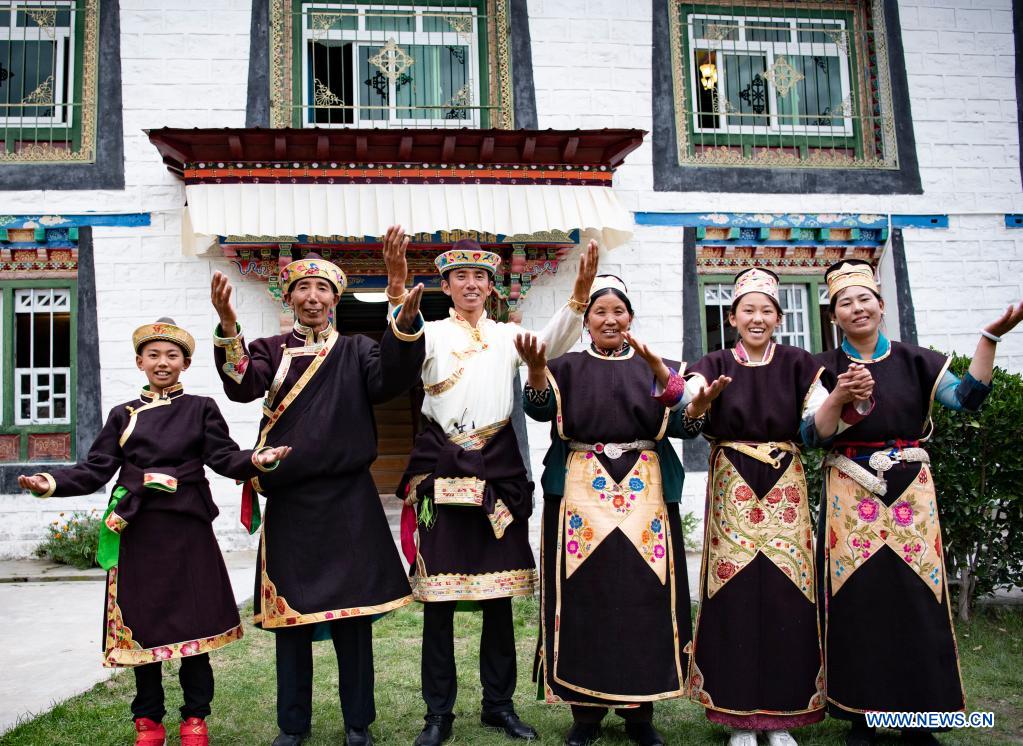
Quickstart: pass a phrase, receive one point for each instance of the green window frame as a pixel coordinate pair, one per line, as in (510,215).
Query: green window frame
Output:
(380,63)
(55,413)
(804,301)
(790,83)
(48,80)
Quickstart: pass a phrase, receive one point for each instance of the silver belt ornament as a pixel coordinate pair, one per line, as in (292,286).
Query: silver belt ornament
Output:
(612,450)
(881,461)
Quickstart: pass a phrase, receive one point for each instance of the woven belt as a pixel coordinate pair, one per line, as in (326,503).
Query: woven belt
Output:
(880,461)
(764,452)
(612,450)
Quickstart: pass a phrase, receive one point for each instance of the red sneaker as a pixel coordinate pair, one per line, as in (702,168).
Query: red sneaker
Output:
(149,732)
(194,733)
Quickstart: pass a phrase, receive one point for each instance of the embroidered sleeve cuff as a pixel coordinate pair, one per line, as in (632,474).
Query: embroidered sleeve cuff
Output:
(417,328)
(539,398)
(693,425)
(260,466)
(672,393)
(51,485)
(220,340)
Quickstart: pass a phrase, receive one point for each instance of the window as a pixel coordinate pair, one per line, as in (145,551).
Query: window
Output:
(436,63)
(803,324)
(37,417)
(782,84)
(48,80)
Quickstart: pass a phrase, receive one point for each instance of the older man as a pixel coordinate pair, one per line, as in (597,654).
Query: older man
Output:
(325,554)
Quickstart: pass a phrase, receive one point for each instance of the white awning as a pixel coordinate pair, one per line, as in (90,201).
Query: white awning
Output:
(246,209)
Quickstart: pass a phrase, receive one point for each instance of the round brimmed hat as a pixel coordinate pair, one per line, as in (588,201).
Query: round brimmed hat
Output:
(848,273)
(468,254)
(313,266)
(164,330)
(757,280)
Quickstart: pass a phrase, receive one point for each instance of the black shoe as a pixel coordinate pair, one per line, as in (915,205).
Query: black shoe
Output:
(290,739)
(921,737)
(358,737)
(582,734)
(436,731)
(644,734)
(860,735)
(509,722)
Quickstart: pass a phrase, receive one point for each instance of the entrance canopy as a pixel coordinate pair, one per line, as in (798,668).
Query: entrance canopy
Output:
(265,183)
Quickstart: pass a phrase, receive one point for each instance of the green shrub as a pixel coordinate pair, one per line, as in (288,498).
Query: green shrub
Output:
(691,535)
(72,541)
(977,462)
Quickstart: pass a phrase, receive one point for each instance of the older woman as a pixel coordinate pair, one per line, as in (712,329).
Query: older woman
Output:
(888,631)
(615,596)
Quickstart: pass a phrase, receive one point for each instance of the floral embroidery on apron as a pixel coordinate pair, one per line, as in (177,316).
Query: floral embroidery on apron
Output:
(860,524)
(596,505)
(742,525)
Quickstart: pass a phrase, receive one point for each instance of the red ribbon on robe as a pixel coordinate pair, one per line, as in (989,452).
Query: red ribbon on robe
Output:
(251,517)
(408,532)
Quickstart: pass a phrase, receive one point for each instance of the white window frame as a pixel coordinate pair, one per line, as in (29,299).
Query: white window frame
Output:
(33,301)
(64,39)
(794,328)
(770,50)
(364,38)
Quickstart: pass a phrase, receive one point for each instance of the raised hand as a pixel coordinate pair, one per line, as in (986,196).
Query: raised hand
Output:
(271,455)
(406,318)
(34,483)
(706,396)
(220,296)
(1007,321)
(531,350)
(588,262)
(395,248)
(653,360)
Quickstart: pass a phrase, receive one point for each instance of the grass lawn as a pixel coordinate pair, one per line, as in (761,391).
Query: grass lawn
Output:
(991,648)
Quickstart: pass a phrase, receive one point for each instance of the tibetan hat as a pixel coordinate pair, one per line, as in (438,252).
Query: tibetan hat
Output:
(602,282)
(313,266)
(468,254)
(164,330)
(850,272)
(756,280)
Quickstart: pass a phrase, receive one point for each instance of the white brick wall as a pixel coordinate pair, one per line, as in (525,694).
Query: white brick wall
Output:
(185,65)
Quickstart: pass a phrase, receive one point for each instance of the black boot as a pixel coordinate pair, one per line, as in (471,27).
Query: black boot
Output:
(645,734)
(511,725)
(290,739)
(358,737)
(436,731)
(582,734)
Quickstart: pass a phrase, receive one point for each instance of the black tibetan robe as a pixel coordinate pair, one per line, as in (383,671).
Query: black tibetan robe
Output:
(757,660)
(888,632)
(169,596)
(615,601)
(326,550)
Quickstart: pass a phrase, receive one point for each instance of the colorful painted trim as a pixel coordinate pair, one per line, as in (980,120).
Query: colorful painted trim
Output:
(121,650)
(161,482)
(500,519)
(390,173)
(465,587)
(51,485)
(237,361)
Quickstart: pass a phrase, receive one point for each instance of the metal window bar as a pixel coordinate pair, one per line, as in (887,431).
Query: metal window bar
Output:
(41,95)
(422,64)
(788,82)
(41,389)
(794,329)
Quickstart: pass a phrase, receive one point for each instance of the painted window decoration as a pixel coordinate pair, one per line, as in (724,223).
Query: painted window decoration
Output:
(434,63)
(48,80)
(806,319)
(777,83)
